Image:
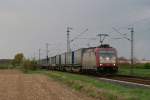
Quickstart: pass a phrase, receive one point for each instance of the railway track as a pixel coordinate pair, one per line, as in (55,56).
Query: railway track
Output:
(121,79)
(127,80)
(134,79)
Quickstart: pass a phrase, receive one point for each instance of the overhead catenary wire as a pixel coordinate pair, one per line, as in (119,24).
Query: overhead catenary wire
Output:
(132,44)
(79,35)
(123,35)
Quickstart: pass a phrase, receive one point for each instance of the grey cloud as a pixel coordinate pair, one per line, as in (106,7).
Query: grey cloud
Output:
(26,25)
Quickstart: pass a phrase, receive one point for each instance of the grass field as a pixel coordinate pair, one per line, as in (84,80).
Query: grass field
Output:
(138,70)
(97,89)
(6,66)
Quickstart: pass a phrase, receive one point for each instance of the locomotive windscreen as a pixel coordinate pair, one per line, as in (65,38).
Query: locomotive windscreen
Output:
(107,56)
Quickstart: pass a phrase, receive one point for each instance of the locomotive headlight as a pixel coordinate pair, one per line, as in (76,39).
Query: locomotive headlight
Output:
(114,64)
(101,64)
(107,58)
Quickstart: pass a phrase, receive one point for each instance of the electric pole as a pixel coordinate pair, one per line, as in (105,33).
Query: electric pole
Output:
(132,49)
(34,56)
(47,51)
(39,56)
(132,45)
(68,39)
(102,37)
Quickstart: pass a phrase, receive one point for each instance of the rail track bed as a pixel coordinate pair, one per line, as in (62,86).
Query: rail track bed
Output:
(127,79)
(131,81)
(139,80)
(121,79)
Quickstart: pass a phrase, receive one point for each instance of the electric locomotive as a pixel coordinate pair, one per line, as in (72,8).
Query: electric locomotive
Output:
(100,59)
(94,59)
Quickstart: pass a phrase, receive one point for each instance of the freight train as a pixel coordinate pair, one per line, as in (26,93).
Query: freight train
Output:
(94,59)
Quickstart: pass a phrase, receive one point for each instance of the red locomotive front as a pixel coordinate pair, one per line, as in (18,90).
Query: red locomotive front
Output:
(106,59)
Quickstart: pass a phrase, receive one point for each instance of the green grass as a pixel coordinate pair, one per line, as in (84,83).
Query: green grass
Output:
(97,89)
(136,71)
(6,66)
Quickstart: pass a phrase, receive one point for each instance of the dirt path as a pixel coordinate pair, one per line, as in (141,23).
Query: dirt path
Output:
(17,86)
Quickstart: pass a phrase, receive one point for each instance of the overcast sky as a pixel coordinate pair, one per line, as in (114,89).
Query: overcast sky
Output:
(26,25)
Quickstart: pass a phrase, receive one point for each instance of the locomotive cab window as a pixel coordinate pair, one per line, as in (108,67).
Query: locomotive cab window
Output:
(109,54)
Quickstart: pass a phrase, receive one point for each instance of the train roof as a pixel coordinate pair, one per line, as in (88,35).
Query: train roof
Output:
(100,46)
(105,46)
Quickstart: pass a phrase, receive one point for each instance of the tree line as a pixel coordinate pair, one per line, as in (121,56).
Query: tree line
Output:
(19,61)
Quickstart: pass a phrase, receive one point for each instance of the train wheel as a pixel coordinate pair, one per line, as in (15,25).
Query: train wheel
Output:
(115,70)
(101,70)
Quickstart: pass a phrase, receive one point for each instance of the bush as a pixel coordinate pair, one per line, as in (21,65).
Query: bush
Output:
(147,66)
(18,59)
(29,65)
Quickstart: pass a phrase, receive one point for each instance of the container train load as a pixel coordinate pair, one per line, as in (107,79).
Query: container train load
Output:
(94,59)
